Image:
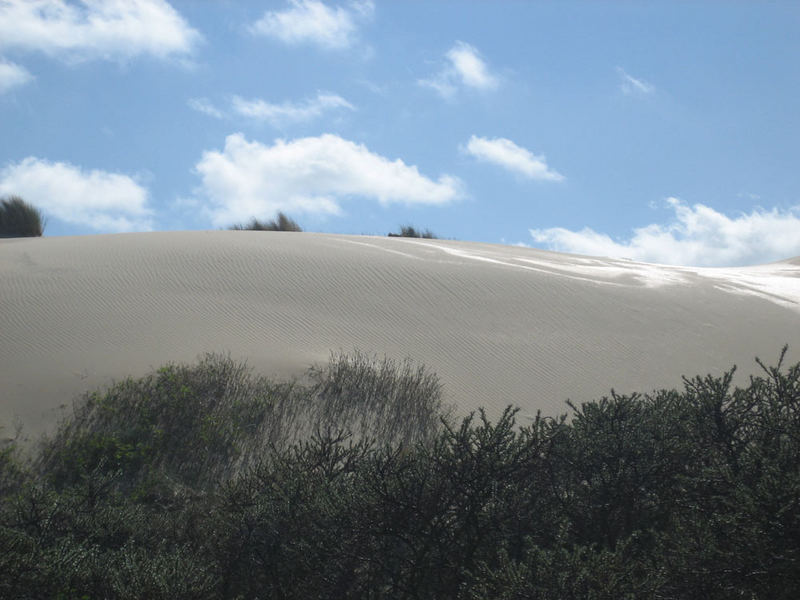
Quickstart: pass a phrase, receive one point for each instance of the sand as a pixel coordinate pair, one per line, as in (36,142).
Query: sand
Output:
(499,324)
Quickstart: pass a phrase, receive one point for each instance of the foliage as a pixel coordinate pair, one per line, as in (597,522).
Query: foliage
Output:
(412,232)
(377,398)
(208,482)
(20,219)
(280,223)
(200,425)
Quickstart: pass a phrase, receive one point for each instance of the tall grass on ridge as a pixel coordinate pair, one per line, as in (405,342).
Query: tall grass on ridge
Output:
(412,232)
(280,223)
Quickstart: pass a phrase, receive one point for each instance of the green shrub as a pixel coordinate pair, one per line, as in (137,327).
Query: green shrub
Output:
(20,219)
(13,469)
(378,398)
(279,223)
(412,232)
(202,424)
(205,481)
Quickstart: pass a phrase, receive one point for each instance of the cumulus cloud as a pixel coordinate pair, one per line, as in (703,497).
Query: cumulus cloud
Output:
(465,67)
(630,85)
(505,153)
(313,22)
(698,236)
(111,29)
(109,202)
(288,112)
(310,174)
(12,75)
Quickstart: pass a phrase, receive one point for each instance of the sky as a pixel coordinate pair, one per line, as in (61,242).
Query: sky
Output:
(664,132)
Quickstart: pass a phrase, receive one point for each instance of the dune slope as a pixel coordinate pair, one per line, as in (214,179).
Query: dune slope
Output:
(499,324)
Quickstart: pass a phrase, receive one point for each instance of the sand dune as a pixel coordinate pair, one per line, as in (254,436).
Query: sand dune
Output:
(499,324)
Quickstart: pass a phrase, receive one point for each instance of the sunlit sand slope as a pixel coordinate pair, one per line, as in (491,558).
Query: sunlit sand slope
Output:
(499,324)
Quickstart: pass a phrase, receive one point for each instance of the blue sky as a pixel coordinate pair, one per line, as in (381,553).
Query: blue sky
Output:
(657,131)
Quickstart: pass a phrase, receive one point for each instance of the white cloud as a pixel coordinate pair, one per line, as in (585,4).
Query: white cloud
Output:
(470,67)
(287,112)
(631,85)
(101,200)
(277,115)
(204,105)
(466,68)
(12,75)
(506,154)
(698,236)
(442,85)
(311,21)
(95,28)
(310,174)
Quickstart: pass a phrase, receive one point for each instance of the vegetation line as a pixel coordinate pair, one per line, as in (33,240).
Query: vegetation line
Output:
(206,481)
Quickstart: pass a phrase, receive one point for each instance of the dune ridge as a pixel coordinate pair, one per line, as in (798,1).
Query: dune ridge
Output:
(499,324)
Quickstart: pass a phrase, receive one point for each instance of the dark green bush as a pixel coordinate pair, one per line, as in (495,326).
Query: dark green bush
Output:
(279,223)
(208,482)
(12,468)
(412,232)
(20,219)
(202,424)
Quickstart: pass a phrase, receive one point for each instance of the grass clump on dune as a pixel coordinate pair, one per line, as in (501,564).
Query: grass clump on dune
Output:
(280,223)
(413,232)
(206,481)
(20,219)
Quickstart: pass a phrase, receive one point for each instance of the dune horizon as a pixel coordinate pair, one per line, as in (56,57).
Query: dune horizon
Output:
(500,325)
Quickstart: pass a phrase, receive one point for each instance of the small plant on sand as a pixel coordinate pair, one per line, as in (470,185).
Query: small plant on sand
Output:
(412,232)
(20,219)
(280,223)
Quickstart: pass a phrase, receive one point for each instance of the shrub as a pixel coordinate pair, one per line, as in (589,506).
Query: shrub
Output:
(145,492)
(20,219)
(378,398)
(279,223)
(412,232)
(12,468)
(202,424)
